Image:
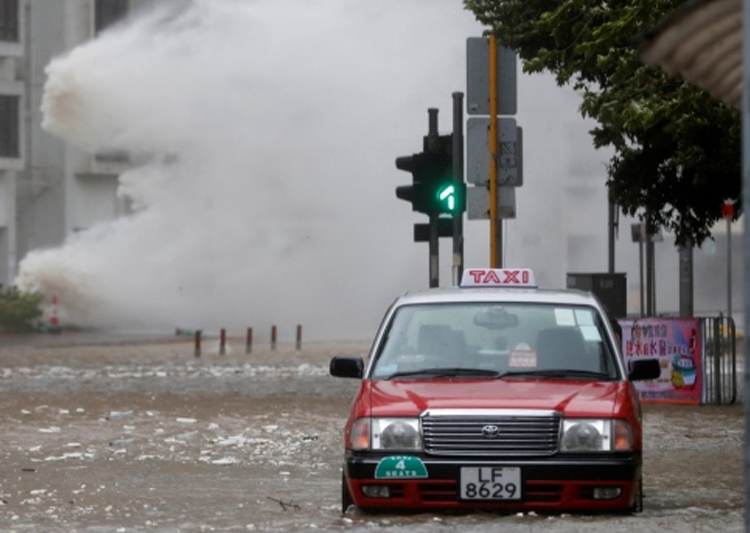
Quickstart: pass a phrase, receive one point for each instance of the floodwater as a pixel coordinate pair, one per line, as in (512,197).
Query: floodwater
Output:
(145,436)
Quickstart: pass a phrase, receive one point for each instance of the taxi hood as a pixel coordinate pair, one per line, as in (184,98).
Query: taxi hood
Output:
(571,397)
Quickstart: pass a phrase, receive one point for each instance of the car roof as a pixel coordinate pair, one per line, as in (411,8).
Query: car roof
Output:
(489,294)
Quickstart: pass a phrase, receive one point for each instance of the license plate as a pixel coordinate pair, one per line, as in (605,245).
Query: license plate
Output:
(490,483)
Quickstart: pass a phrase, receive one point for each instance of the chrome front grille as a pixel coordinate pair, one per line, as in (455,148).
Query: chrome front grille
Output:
(491,432)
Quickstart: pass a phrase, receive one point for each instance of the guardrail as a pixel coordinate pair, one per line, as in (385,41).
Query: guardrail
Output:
(720,360)
(698,356)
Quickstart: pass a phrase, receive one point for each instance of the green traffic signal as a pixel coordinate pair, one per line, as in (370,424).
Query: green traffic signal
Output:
(442,195)
(433,190)
(450,197)
(447,197)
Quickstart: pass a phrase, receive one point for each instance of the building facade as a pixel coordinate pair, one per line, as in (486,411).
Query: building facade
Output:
(48,189)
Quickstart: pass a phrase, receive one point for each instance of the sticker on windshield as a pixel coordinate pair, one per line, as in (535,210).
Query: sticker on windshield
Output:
(522,359)
(565,317)
(591,333)
(584,317)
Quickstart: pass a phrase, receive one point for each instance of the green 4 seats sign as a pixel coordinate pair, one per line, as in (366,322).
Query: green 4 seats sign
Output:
(400,466)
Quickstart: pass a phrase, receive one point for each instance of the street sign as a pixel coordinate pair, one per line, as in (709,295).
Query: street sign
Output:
(727,210)
(509,152)
(478,202)
(478,78)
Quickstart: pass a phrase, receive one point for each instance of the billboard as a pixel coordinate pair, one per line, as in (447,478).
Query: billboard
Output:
(678,345)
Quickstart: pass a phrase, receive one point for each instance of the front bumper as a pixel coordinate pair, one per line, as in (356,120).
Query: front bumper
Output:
(570,483)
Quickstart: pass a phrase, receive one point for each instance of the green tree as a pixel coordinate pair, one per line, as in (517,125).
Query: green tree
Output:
(18,310)
(677,150)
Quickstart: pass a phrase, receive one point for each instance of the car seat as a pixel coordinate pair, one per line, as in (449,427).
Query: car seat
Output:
(444,343)
(563,348)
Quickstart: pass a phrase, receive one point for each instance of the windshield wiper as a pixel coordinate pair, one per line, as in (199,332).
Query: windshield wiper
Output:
(446,373)
(558,373)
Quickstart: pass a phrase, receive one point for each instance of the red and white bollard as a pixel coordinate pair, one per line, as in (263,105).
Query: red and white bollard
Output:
(249,342)
(198,334)
(54,320)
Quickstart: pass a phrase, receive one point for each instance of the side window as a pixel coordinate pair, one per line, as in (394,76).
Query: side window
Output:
(9,20)
(107,12)
(9,146)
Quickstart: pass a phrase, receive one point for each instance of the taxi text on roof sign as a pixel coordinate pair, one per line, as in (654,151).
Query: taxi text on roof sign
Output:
(498,277)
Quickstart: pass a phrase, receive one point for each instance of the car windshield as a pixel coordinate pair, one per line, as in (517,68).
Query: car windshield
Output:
(474,340)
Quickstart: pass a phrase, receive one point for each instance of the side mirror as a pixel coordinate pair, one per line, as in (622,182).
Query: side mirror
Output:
(644,369)
(347,367)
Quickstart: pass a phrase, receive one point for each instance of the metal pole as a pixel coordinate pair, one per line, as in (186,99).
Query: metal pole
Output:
(650,304)
(458,178)
(686,279)
(653,279)
(434,253)
(746,237)
(249,341)
(640,266)
(496,224)
(432,144)
(729,267)
(611,237)
(717,358)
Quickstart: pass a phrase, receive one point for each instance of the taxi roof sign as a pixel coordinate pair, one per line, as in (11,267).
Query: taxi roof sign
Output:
(498,277)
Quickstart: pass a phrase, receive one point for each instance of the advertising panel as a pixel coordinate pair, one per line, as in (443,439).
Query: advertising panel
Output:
(678,345)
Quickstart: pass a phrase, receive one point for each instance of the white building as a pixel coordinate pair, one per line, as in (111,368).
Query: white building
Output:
(48,189)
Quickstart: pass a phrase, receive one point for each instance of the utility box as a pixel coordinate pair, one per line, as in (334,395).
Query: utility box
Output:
(610,288)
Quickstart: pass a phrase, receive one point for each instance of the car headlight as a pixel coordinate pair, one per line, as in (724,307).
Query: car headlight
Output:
(596,435)
(385,434)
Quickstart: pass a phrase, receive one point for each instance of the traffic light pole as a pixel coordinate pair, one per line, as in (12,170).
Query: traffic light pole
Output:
(438,189)
(458,177)
(434,253)
(432,144)
(496,223)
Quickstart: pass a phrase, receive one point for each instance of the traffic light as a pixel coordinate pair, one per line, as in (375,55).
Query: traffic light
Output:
(434,191)
(414,193)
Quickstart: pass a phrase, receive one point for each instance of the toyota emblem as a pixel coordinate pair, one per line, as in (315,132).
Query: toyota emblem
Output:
(490,432)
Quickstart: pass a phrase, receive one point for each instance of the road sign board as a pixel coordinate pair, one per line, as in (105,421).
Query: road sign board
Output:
(727,210)
(478,78)
(478,202)
(509,152)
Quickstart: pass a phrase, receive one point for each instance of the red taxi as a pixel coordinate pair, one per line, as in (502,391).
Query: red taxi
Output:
(494,395)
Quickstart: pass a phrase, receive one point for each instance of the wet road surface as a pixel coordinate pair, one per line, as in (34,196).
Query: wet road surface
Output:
(143,436)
